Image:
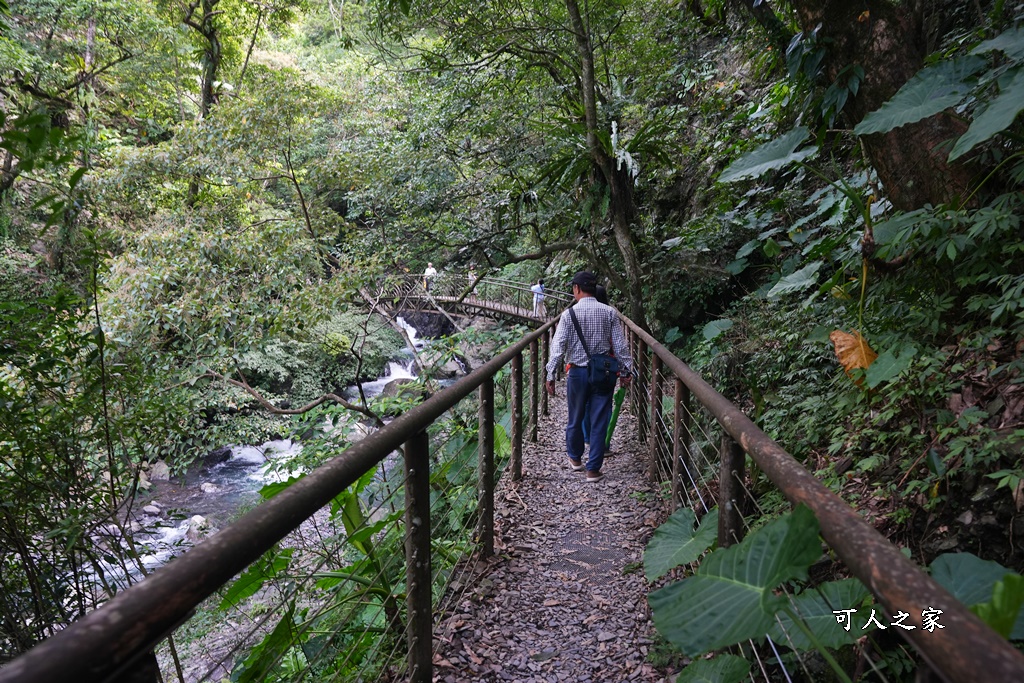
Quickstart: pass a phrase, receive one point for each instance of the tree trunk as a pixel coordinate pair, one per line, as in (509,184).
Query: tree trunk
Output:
(619,181)
(205,26)
(211,58)
(887,41)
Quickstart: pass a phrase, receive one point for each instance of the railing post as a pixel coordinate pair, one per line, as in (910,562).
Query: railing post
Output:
(535,390)
(419,631)
(681,440)
(654,433)
(730,493)
(485,530)
(517,417)
(546,346)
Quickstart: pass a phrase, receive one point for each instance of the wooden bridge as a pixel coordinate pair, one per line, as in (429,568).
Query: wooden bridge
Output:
(452,545)
(457,295)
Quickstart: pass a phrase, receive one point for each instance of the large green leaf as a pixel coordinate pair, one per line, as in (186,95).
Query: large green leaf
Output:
(731,598)
(716,327)
(931,90)
(889,365)
(267,655)
(1010,42)
(968,577)
(253,578)
(796,282)
(996,116)
(971,580)
(1003,611)
(676,542)
(721,669)
(815,607)
(769,156)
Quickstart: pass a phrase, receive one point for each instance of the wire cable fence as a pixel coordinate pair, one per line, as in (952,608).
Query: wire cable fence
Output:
(336,574)
(698,446)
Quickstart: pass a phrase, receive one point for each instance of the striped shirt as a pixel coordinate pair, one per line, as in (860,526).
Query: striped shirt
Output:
(600,325)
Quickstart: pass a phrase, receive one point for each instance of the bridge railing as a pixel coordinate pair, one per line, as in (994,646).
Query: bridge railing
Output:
(337,573)
(447,286)
(351,601)
(696,445)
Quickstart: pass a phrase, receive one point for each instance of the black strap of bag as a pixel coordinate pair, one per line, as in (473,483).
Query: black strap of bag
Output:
(579,332)
(602,372)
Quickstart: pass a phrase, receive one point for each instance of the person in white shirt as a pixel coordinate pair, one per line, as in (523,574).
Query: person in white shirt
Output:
(428,276)
(539,310)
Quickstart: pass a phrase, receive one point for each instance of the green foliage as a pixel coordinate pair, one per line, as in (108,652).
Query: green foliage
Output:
(991,590)
(932,90)
(722,669)
(252,579)
(80,417)
(815,608)
(997,94)
(676,542)
(337,352)
(734,588)
(770,156)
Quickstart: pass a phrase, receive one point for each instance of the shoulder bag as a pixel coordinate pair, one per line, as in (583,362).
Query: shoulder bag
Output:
(602,369)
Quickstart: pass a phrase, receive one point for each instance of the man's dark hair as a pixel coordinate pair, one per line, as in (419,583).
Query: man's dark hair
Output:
(586,281)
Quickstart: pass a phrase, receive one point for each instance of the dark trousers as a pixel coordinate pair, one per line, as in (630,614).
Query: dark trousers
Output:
(581,400)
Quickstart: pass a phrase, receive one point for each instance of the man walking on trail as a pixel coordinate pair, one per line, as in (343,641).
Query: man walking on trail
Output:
(602,333)
(539,310)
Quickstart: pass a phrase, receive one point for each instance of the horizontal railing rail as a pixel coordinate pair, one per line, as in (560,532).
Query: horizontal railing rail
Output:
(118,639)
(679,416)
(957,652)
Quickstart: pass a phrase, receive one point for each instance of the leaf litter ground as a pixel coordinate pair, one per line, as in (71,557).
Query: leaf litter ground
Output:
(564,599)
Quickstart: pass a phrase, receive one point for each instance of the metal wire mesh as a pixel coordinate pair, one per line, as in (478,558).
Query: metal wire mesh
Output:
(696,462)
(327,604)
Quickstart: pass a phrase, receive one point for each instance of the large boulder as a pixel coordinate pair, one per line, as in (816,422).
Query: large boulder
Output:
(159,471)
(216,456)
(396,387)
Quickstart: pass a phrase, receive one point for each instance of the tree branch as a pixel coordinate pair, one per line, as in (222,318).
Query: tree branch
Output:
(270,407)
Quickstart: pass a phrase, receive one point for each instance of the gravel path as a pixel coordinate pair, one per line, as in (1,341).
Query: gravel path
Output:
(564,599)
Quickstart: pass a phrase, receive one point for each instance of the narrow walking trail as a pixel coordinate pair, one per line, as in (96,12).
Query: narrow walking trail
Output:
(564,599)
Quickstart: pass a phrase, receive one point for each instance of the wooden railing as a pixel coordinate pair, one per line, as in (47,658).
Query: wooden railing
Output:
(679,416)
(507,297)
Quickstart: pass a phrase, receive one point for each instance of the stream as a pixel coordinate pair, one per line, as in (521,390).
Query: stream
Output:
(182,510)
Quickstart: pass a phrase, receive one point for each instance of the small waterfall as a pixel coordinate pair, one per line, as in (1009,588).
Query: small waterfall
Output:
(395,370)
(410,331)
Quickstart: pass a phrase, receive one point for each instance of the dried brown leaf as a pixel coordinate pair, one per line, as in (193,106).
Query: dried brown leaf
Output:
(853,352)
